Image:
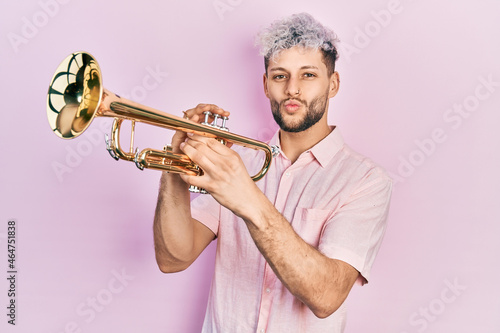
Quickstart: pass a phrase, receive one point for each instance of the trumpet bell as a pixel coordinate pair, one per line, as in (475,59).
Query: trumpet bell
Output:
(74,95)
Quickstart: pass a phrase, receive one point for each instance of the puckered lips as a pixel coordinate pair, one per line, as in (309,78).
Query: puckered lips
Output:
(292,105)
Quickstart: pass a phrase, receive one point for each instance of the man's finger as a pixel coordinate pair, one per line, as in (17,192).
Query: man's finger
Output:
(212,143)
(199,153)
(196,114)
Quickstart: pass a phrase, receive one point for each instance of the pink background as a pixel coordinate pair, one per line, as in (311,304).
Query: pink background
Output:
(406,67)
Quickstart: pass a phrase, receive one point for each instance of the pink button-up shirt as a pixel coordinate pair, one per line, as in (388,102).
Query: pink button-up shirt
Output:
(335,199)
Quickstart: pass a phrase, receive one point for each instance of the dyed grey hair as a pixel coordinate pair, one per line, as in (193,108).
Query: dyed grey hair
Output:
(298,30)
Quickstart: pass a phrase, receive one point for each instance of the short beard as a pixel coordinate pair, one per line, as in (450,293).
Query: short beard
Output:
(314,113)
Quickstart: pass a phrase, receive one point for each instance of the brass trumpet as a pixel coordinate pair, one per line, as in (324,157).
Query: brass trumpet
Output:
(76,95)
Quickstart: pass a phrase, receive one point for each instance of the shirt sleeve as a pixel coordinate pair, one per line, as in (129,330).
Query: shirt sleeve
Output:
(206,210)
(354,234)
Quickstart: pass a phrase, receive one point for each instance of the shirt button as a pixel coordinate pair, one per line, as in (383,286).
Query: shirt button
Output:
(262,330)
(268,290)
(287,174)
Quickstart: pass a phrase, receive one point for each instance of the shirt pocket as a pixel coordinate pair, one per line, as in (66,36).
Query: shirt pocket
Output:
(308,224)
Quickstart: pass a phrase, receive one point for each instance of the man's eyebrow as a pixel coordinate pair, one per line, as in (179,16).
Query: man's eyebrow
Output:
(309,67)
(275,69)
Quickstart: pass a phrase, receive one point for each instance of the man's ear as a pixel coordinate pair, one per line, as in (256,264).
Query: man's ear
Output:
(334,84)
(264,80)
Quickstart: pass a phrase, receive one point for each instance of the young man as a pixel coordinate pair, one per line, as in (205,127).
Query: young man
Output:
(290,246)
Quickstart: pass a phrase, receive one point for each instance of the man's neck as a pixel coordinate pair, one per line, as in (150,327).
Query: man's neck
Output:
(294,144)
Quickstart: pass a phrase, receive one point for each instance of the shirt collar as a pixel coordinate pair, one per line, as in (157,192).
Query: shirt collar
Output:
(324,150)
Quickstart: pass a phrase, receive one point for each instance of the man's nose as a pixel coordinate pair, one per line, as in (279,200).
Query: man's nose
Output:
(293,87)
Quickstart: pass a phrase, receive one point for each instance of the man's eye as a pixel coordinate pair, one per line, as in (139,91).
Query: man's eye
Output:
(279,77)
(309,75)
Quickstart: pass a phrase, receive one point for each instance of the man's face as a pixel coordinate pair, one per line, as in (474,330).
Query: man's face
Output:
(298,87)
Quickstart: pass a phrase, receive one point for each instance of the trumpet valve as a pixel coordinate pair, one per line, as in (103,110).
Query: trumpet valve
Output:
(223,126)
(216,117)
(215,122)
(207,115)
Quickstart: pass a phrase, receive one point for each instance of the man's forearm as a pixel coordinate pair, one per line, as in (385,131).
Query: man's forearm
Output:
(173,229)
(318,281)
(178,238)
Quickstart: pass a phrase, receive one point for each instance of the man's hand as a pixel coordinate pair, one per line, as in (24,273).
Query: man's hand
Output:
(195,114)
(225,176)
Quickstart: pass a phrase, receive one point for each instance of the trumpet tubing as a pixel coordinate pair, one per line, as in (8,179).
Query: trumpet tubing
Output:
(76,96)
